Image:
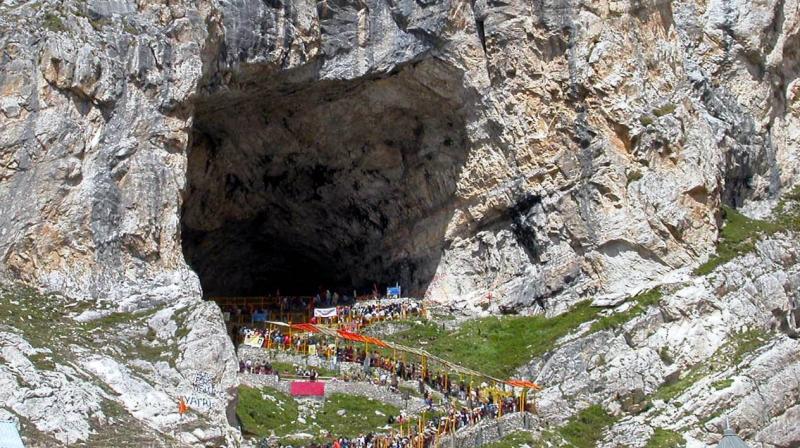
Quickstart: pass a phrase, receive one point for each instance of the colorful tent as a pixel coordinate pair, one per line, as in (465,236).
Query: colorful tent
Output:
(355,337)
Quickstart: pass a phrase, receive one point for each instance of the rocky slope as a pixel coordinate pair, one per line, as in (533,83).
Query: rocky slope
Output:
(715,348)
(530,152)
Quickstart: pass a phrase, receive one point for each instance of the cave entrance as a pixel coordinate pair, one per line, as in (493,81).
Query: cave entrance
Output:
(333,184)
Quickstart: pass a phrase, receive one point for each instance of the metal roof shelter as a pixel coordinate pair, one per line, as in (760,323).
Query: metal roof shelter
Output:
(9,436)
(731,440)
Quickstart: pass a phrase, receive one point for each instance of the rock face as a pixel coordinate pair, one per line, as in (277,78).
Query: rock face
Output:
(518,151)
(719,346)
(525,152)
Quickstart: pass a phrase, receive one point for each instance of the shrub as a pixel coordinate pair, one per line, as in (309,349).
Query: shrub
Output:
(666,109)
(664,438)
(722,384)
(53,23)
(585,429)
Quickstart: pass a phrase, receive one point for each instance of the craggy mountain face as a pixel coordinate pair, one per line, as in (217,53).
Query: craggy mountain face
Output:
(533,153)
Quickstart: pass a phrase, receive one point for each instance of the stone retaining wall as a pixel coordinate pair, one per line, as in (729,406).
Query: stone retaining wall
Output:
(484,432)
(489,431)
(359,388)
(352,370)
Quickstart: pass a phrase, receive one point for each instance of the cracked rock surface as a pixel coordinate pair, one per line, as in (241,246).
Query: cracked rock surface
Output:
(534,153)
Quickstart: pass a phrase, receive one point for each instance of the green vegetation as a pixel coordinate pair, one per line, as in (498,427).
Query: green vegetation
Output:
(40,318)
(148,351)
(633,176)
(360,416)
(46,320)
(646,120)
(743,343)
(264,410)
(722,384)
(99,23)
(96,22)
(412,392)
(513,440)
(499,345)
(182,332)
(585,429)
(664,438)
(666,109)
(730,354)
(115,319)
(737,237)
(53,22)
(740,233)
(496,345)
(290,369)
(42,361)
(130,29)
(666,356)
(642,302)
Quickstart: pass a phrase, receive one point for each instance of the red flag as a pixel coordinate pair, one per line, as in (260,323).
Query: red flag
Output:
(182,407)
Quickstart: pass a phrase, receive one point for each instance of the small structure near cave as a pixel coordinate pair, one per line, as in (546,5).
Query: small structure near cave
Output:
(731,440)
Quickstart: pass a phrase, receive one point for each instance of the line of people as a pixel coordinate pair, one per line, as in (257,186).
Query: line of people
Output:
(420,433)
(394,369)
(266,368)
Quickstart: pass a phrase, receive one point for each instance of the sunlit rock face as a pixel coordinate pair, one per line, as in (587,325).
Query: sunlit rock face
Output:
(527,153)
(512,156)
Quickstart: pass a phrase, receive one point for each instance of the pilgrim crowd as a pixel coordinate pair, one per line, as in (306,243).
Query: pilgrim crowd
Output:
(352,317)
(465,405)
(402,432)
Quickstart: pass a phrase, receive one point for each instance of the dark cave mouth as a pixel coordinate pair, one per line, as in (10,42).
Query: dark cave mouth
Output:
(337,185)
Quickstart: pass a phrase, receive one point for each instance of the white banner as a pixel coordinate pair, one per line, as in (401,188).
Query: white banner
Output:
(254,340)
(325,312)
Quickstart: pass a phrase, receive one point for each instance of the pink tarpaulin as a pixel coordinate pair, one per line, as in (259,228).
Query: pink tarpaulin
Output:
(307,388)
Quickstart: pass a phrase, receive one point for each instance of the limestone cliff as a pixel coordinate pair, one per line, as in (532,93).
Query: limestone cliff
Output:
(500,155)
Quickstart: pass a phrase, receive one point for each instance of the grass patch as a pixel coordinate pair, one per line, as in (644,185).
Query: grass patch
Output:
(666,109)
(585,429)
(99,23)
(54,23)
(513,440)
(182,332)
(616,320)
(496,345)
(360,415)
(730,354)
(737,237)
(740,233)
(646,120)
(666,356)
(633,176)
(130,29)
(115,319)
(264,410)
(722,384)
(42,361)
(148,352)
(290,369)
(41,319)
(412,392)
(664,438)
